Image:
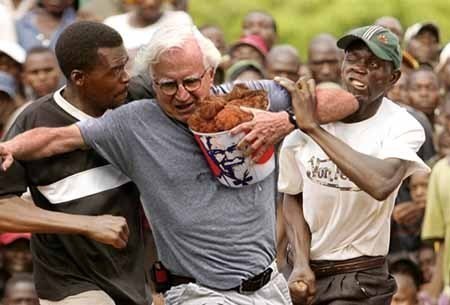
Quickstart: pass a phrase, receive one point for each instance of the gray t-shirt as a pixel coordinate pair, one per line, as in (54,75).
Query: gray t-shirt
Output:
(202,229)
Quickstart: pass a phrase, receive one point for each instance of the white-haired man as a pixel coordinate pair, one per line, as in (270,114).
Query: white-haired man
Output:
(217,242)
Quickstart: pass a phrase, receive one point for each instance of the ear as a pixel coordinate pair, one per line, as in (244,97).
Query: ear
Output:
(395,75)
(78,77)
(212,73)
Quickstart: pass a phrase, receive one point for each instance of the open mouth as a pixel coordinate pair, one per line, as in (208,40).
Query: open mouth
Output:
(358,85)
(185,107)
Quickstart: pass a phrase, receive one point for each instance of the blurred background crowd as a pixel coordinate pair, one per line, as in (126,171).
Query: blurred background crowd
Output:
(419,251)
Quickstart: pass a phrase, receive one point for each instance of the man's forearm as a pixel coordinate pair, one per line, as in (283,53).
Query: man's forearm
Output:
(44,142)
(18,215)
(297,229)
(379,178)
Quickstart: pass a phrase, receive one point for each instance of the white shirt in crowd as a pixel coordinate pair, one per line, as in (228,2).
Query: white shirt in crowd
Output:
(346,222)
(134,37)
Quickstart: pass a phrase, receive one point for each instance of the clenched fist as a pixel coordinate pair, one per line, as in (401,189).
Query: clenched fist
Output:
(108,229)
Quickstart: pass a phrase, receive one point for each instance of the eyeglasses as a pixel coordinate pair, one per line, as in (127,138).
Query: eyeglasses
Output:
(189,84)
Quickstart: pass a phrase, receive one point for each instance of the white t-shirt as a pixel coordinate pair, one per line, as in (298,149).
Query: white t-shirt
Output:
(346,222)
(134,37)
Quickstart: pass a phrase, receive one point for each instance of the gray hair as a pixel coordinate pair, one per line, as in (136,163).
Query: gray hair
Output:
(174,35)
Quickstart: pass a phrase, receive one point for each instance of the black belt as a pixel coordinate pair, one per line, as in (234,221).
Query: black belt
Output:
(247,286)
(328,268)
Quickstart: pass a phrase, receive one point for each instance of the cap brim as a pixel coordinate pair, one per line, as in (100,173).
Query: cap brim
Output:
(347,40)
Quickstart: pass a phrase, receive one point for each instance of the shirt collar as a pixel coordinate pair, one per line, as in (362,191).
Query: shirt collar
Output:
(68,107)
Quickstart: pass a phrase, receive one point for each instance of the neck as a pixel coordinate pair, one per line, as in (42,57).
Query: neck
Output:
(364,113)
(72,95)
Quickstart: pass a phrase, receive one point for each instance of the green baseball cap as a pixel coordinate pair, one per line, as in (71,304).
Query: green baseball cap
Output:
(382,42)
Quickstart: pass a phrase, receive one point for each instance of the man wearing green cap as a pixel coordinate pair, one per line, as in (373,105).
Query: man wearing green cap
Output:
(340,180)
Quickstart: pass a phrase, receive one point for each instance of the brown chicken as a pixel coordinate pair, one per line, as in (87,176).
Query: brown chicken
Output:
(220,113)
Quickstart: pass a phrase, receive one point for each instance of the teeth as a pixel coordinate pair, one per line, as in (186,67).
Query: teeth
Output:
(358,84)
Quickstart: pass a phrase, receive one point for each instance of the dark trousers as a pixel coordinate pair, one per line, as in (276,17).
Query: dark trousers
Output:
(373,286)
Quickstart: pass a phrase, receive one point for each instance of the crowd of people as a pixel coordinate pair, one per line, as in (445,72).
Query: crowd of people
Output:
(122,206)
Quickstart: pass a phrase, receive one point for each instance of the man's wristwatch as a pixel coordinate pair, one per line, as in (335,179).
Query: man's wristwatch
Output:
(291,117)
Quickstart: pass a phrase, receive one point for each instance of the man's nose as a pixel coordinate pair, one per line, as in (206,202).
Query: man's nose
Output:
(125,76)
(326,69)
(359,68)
(182,94)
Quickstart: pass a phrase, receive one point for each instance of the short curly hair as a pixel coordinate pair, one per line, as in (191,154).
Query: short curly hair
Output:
(77,45)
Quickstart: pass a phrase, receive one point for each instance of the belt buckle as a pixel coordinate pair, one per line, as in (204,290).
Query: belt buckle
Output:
(255,283)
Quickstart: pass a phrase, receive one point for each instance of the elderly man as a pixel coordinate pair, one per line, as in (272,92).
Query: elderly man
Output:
(217,242)
(340,179)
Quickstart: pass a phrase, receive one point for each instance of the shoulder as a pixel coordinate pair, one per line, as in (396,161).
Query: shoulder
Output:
(35,109)
(137,108)
(442,165)
(295,139)
(398,115)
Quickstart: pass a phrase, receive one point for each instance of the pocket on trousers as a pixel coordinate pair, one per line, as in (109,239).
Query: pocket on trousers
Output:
(375,282)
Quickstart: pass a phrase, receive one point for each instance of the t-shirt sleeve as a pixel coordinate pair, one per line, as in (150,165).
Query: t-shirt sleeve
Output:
(434,222)
(403,142)
(279,97)
(107,136)
(290,180)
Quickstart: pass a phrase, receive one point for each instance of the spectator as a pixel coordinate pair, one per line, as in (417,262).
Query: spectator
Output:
(407,276)
(408,61)
(102,9)
(427,261)
(262,24)
(20,290)
(137,27)
(12,57)
(251,47)
(436,224)
(408,216)
(8,102)
(43,24)
(399,92)
(444,144)
(443,70)
(443,117)
(324,59)
(16,252)
(244,70)
(41,74)
(422,42)
(283,60)
(215,34)
(423,89)
(19,8)
(8,31)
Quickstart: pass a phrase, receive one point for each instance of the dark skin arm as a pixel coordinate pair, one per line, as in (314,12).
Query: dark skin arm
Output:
(18,215)
(377,177)
(301,282)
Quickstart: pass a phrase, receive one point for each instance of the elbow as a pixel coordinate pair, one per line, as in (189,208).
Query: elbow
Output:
(380,195)
(382,189)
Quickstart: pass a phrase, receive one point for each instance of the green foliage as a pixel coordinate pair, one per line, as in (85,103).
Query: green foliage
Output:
(299,20)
